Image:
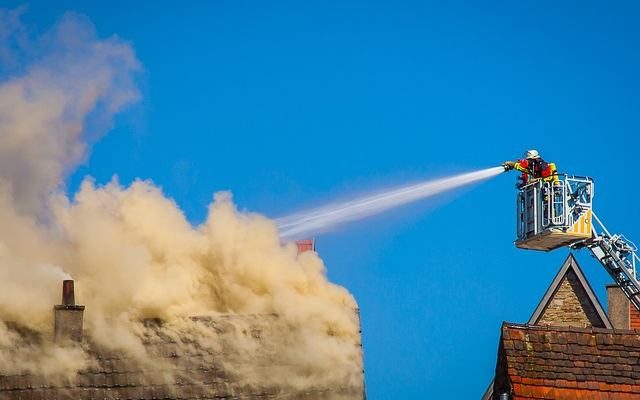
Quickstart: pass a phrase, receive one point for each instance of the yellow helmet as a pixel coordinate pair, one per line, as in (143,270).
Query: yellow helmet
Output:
(531,154)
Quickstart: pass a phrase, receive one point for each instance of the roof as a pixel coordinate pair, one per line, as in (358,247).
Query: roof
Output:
(192,359)
(572,299)
(569,303)
(539,362)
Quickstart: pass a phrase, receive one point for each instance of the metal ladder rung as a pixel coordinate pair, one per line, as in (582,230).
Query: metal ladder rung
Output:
(618,266)
(633,293)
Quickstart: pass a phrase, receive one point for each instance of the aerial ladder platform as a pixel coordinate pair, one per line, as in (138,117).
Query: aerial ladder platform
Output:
(559,213)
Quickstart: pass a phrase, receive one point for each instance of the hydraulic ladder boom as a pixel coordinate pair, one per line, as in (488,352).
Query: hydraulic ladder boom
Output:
(618,256)
(558,213)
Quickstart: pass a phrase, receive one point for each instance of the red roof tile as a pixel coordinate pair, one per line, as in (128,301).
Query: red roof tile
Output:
(539,362)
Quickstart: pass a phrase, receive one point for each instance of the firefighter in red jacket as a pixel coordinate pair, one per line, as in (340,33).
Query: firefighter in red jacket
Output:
(532,167)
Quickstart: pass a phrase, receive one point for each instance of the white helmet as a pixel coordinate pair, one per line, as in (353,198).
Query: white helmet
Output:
(531,154)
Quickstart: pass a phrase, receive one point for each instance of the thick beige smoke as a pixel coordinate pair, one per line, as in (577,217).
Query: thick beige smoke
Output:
(130,250)
(44,111)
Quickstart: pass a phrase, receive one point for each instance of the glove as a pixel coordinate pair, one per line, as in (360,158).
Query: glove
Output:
(508,165)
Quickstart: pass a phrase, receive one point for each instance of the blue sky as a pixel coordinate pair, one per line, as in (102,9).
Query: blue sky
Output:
(292,104)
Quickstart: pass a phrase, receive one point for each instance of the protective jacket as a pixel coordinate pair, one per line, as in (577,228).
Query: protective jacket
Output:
(537,168)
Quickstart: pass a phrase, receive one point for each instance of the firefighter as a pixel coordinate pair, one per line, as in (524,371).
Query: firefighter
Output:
(532,167)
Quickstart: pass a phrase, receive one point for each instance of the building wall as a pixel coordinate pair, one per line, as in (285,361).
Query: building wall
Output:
(570,306)
(634,318)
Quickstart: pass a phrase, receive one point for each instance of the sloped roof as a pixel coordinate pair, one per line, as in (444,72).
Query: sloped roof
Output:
(568,302)
(538,362)
(181,366)
(570,280)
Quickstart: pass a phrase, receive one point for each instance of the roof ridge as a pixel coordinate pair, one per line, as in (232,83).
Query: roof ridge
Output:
(592,329)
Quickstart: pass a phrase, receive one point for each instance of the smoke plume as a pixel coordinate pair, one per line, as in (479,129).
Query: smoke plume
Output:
(130,249)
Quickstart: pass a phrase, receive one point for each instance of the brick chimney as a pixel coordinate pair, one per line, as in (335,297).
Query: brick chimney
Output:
(622,313)
(68,316)
(306,245)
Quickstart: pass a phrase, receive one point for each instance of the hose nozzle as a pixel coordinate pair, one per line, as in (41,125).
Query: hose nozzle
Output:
(508,165)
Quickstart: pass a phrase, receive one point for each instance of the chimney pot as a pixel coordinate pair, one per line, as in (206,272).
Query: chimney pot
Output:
(68,295)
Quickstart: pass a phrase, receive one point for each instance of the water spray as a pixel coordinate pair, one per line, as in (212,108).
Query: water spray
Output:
(324,218)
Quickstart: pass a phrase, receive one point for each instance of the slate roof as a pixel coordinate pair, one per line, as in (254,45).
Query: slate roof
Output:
(180,369)
(539,362)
